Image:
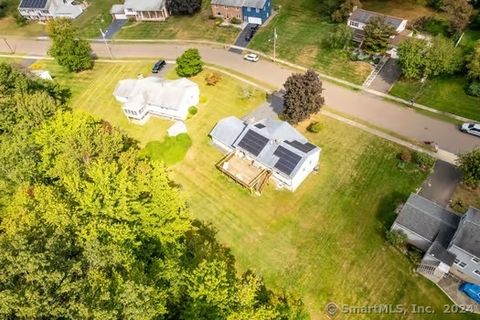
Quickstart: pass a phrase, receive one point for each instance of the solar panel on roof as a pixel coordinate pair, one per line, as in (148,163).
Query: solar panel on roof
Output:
(33,3)
(260,125)
(253,142)
(287,160)
(304,147)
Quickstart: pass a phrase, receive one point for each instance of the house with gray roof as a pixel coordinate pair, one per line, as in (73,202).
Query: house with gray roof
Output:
(249,11)
(141,10)
(43,10)
(451,242)
(271,145)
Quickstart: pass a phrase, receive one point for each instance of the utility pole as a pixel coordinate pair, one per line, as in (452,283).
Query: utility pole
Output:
(106,43)
(8,45)
(275,44)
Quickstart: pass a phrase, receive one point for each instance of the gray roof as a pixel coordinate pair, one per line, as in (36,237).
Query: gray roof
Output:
(439,252)
(363,16)
(145,5)
(427,219)
(228,130)
(259,4)
(273,143)
(468,233)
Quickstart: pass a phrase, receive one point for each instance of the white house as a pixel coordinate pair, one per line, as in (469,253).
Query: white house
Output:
(140,10)
(43,10)
(271,145)
(359,18)
(144,97)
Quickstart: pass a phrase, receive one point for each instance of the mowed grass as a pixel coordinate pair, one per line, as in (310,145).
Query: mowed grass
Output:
(96,16)
(407,9)
(8,26)
(301,33)
(198,26)
(325,241)
(441,93)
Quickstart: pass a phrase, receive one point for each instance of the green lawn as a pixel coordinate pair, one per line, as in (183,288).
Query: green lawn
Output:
(95,17)
(170,150)
(301,31)
(32,29)
(198,26)
(442,93)
(325,241)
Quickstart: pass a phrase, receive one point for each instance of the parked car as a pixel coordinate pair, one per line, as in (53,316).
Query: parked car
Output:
(158,66)
(472,290)
(251,57)
(472,128)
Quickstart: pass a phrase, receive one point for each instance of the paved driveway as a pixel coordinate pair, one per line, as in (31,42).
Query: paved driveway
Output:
(268,110)
(441,183)
(387,76)
(240,41)
(114,27)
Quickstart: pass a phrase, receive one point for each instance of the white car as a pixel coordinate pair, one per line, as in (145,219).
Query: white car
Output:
(251,57)
(471,128)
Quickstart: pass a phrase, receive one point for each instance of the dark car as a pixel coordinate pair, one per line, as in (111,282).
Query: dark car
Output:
(158,66)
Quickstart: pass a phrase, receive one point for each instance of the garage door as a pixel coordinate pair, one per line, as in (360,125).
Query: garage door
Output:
(120,16)
(255,20)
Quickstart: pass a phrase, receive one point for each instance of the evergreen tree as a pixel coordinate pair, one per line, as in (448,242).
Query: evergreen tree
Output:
(377,35)
(189,63)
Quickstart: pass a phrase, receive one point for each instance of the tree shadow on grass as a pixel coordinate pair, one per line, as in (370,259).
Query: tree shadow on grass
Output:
(386,210)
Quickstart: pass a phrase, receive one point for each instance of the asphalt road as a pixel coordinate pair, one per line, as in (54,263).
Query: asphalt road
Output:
(360,105)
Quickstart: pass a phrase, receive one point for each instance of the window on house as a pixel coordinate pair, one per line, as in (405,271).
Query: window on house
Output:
(477,272)
(476,260)
(257,10)
(248,9)
(461,264)
(354,24)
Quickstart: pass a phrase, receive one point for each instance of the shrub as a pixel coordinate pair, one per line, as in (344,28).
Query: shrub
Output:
(396,238)
(459,206)
(203,99)
(423,160)
(405,155)
(469,165)
(414,255)
(192,111)
(189,63)
(19,19)
(213,78)
(235,20)
(315,127)
(245,93)
(473,89)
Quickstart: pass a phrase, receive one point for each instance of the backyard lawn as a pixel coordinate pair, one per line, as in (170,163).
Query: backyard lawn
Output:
(323,242)
(198,26)
(441,93)
(301,32)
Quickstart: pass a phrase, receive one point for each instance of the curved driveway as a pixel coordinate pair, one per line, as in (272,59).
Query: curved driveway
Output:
(361,105)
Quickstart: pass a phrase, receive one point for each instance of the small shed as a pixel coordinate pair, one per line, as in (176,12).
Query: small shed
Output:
(177,128)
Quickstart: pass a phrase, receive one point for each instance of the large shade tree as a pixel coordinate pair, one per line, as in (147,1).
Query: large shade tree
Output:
(377,33)
(459,13)
(303,96)
(184,7)
(93,231)
(67,48)
(189,63)
(469,164)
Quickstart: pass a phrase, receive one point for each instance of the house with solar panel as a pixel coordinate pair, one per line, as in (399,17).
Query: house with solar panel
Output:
(451,242)
(43,10)
(264,150)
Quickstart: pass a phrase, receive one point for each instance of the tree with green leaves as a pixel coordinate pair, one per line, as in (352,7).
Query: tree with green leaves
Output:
(341,38)
(459,13)
(469,165)
(473,64)
(344,10)
(189,63)
(303,96)
(184,7)
(377,34)
(67,48)
(419,59)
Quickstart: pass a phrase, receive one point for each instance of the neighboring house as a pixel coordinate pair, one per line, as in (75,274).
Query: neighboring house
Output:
(169,99)
(140,10)
(451,243)
(359,18)
(43,10)
(250,11)
(268,146)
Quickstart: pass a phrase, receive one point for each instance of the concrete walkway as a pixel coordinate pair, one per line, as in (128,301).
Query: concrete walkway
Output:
(358,104)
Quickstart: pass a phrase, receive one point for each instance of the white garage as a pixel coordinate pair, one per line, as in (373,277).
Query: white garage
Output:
(118,12)
(254,20)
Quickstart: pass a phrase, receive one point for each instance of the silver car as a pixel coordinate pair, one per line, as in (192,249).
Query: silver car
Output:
(472,128)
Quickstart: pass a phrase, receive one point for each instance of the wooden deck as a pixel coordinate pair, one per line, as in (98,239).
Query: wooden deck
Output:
(244,172)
